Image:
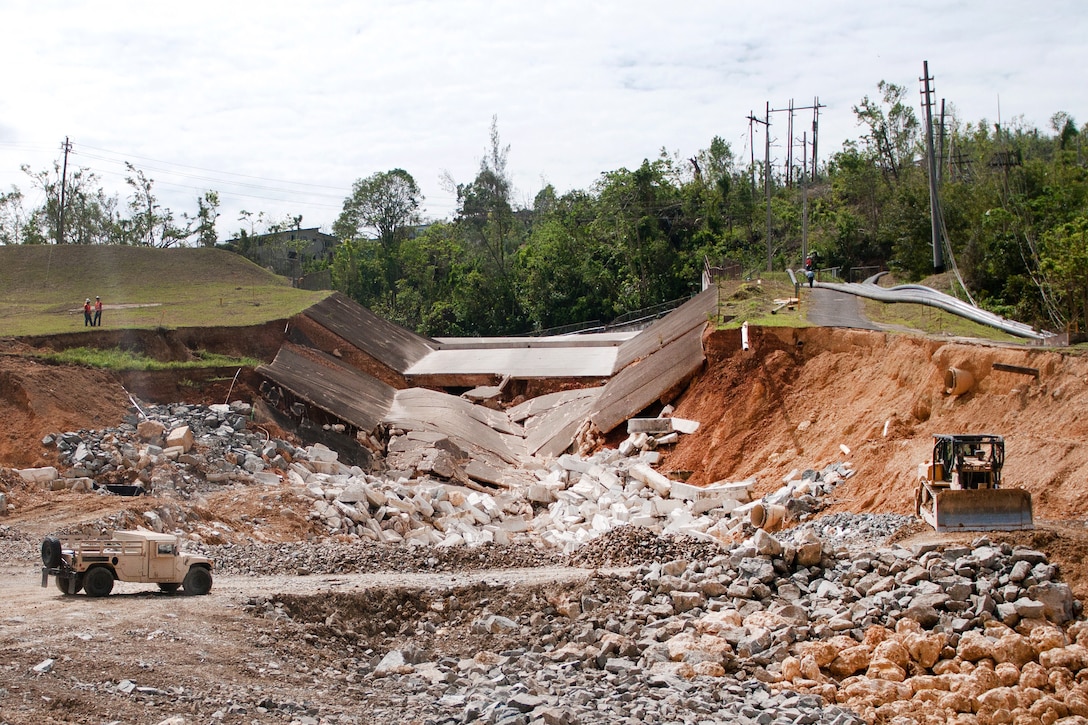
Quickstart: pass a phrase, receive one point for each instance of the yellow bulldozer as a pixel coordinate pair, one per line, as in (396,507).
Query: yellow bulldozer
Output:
(959,488)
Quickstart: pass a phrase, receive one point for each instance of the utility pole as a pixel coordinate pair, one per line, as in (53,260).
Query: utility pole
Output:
(816,106)
(63,183)
(767,180)
(752,164)
(934,203)
(766,171)
(940,148)
(789,149)
(804,198)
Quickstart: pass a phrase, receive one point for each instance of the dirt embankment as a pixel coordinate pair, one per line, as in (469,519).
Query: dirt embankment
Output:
(168,344)
(38,398)
(796,396)
(789,402)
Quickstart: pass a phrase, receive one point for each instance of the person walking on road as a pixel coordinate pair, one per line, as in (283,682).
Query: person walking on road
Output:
(97,312)
(87,313)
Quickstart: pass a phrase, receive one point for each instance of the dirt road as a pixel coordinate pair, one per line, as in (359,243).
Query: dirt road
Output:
(233,656)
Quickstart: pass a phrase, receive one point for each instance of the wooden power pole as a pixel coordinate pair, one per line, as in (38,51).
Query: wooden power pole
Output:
(63,191)
(934,203)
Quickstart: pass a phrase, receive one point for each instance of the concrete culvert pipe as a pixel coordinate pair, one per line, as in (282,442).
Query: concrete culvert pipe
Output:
(957,381)
(767,516)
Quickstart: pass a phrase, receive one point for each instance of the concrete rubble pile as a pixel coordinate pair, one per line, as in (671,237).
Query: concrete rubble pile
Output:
(184,449)
(167,447)
(767,632)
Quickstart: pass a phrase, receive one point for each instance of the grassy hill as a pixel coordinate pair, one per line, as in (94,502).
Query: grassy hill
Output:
(42,288)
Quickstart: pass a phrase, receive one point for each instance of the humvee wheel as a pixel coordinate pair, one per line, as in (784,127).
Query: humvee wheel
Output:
(98,582)
(51,553)
(169,587)
(62,584)
(198,581)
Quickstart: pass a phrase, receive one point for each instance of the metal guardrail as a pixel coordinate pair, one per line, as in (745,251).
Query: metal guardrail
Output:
(625,320)
(920,294)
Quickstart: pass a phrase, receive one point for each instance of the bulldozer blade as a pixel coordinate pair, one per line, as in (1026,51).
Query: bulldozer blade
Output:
(983,510)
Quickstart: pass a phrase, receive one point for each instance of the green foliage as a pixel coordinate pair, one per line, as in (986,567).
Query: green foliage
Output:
(119,359)
(1014,202)
(1064,262)
(892,138)
(386,202)
(90,216)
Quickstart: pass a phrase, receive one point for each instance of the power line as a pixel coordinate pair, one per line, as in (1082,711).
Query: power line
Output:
(213,181)
(210,171)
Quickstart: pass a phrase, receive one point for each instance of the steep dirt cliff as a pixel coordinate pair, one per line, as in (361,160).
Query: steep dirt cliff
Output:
(796,396)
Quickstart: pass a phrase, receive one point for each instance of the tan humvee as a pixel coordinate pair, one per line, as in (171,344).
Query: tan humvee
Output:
(92,564)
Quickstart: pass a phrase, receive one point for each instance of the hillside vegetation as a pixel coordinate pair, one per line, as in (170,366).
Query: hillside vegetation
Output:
(1013,200)
(42,288)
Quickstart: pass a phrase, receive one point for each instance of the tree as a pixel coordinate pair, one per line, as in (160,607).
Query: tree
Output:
(431,263)
(485,208)
(561,277)
(151,225)
(207,211)
(893,128)
(90,216)
(387,202)
(13,217)
(640,214)
(1065,127)
(1064,259)
(356,272)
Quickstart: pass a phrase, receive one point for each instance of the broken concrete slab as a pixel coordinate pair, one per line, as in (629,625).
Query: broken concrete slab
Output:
(649,425)
(660,483)
(43,475)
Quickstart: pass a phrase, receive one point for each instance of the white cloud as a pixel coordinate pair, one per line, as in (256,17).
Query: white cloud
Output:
(324,93)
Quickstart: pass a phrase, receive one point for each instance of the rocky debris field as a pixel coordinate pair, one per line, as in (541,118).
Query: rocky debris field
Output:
(765,632)
(351,596)
(184,452)
(793,628)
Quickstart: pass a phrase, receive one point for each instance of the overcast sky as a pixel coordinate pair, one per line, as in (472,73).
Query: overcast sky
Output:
(280,106)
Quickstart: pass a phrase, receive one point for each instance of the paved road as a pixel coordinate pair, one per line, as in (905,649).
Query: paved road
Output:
(832,308)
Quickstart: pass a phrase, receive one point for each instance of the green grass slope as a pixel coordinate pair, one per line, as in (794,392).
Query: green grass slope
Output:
(42,289)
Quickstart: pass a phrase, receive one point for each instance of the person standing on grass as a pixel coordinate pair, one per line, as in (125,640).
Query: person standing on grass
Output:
(87,313)
(97,312)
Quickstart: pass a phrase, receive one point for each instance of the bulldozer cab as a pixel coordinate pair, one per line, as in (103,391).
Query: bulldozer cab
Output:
(968,462)
(959,489)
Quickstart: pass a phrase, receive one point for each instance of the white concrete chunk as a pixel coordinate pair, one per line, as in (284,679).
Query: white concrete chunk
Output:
(649,425)
(573,463)
(44,474)
(267,478)
(657,481)
(540,493)
(683,425)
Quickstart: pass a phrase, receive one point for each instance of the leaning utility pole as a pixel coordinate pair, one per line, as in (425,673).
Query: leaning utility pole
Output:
(934,203)
(789,148)
(804,198)
(767,179)
(752,164)
(788,175)
(766,171)
(63,183)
